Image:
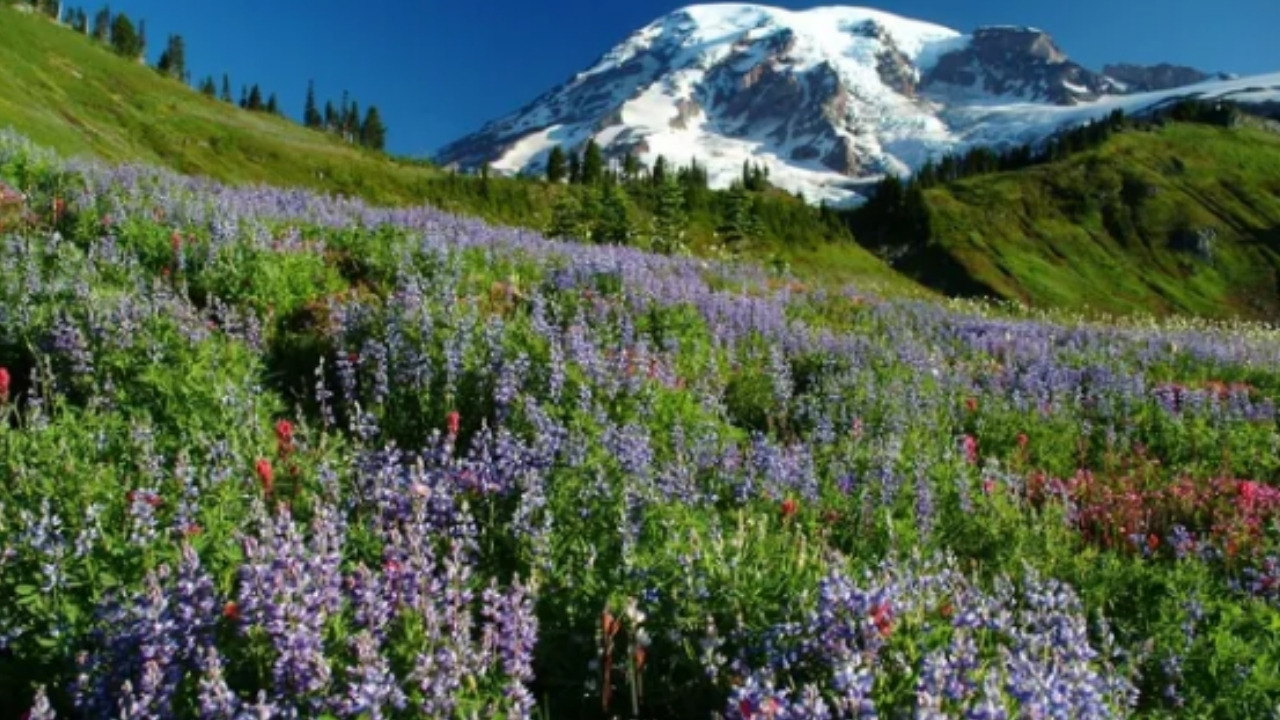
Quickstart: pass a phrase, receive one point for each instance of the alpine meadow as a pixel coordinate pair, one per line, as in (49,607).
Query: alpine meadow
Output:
(781,365)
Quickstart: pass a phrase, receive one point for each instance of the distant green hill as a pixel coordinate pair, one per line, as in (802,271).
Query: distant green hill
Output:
(1180,219)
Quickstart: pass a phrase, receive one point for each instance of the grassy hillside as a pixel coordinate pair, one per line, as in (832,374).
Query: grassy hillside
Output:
(1183,219)
(75,96)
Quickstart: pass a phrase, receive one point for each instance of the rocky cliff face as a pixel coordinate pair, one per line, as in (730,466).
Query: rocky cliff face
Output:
(1149,78)
(1014,62)
(823,98)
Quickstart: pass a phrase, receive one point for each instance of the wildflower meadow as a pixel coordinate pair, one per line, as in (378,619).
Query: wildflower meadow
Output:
(271,454)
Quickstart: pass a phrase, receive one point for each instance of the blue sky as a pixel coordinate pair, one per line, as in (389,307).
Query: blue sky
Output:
(438,70)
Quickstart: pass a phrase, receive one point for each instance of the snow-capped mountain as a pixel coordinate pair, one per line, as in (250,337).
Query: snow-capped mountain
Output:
(824,98)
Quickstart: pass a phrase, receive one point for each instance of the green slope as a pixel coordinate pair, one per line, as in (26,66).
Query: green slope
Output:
(73,95)
(68,93)
(1113,229)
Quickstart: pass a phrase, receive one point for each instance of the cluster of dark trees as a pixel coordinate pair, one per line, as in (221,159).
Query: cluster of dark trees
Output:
(120,33)
(344,120)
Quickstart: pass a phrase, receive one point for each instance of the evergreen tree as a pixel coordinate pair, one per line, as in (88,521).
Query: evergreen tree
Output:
(102,25)
(273,106)
(659,175)
(311,114)
(740,226)
(124,38)
(556,165)
(142,40)
(668,218)
(630,167)
(592,164)
(255,99)
(244,97)
(79,21)
(173,61)
(566,218)
(226,88)
(351,132)
(330,117)
(209,87)
(373,134)
(575,169)
(613,222)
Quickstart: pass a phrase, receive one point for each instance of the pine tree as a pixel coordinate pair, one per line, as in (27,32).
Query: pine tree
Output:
(273,106)
(141,47)
(739,227)
(566,218)
(124,38)
(613,223)
(173,61)
(592,164)
(310,114)
(373,133)
(630,167)
(226,88)
(556,165)
(209,87)
(330,117)
(575,169)
(255,99)
(102,25)
(668,218)
(659,173)
(351,132)
(244,97)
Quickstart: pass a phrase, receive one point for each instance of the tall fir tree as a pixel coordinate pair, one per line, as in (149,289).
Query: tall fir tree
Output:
(310,113)
(373,133)
(209,87)
(556,165)
(669,219)
(255,98)
(330,117)
(226,88)
(352,130)
(173,61)
(575,168)
(613,224)
(273,105)
(659,174)
(102,25)
(592,164)
(630,167)
(124,38)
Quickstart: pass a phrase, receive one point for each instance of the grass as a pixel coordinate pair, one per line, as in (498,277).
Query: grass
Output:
(1098,230)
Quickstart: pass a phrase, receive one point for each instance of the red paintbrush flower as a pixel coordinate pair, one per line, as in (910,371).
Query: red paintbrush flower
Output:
(265,474)
(284,436)
(4,385)
(453,422)
(789,508)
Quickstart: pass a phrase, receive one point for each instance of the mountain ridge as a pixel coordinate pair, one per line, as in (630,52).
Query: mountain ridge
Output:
(826,98)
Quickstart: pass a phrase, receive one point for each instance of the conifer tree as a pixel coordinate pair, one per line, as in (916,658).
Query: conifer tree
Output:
(668,218)
(226,88)
(209,87)
(255,99)
(566,218)
(102,25)
(330,117)
(173,61)
(575,169)
(311,114)
(373,133)
(556,165)
(630,167)
(613,224)
(592,164)
(273,106)
(124,38)
(659,175)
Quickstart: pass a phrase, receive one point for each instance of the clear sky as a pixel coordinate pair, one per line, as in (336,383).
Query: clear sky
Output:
(438,70)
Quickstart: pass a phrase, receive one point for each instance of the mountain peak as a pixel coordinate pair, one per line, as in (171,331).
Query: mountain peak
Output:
(825,98)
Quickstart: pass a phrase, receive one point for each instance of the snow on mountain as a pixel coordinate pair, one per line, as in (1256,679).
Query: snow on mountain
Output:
(826,98)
